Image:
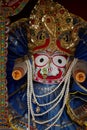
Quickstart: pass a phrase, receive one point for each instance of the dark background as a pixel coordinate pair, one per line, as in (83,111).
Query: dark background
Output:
(78,7)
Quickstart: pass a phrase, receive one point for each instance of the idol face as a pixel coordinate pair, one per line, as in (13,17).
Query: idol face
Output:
(49,68)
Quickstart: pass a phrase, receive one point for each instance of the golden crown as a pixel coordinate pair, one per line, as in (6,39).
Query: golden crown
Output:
(52,28)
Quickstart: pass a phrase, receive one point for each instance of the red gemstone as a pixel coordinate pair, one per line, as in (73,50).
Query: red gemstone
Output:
(48,20)
(62,11)
(32,21)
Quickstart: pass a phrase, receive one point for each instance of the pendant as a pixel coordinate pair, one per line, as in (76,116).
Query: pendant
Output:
(38,109)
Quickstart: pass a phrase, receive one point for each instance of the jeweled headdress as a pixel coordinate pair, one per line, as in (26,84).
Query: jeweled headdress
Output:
(52,28)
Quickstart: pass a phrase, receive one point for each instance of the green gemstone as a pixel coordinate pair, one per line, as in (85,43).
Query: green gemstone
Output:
(2,49)
(1,26)
(22,5)
(2,94)
(2,60)
(32,32)
(2,110)
(17,10)
(2,32)
(68,20)
(2,41)
(2,75)
(2,102)
(2,66)
(3,35)
(2,91)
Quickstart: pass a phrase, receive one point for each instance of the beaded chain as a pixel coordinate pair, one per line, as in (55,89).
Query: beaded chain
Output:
(30,92)
(7,8)
(4,29)
(3,54)
(13,7)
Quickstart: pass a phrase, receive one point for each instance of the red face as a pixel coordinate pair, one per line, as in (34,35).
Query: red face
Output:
(49,68)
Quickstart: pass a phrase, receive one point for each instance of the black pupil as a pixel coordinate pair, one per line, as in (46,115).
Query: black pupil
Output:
(59,61)
(41,60)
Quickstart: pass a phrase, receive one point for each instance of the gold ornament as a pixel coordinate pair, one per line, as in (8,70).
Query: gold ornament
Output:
(52,28)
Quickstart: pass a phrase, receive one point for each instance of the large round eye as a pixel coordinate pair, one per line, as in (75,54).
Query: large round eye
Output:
(41,60)
(59,61)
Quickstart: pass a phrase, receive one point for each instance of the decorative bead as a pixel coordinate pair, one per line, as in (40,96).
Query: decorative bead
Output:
(3,90)
(62,11)
(33,100)
(68,20)
(38,109)
(34,125)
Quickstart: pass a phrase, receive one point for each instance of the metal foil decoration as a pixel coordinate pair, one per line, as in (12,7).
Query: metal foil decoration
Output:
(13,7)
(54,23)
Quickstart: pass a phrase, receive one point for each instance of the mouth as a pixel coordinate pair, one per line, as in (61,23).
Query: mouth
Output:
(49,78)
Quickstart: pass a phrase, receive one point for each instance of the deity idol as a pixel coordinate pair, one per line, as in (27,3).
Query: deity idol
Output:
(46,70)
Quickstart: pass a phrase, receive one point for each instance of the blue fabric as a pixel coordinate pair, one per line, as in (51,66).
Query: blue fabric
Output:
(81,49)
(18,98)
(18,43)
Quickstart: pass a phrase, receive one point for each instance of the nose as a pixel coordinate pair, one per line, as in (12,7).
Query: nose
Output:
(50,69)
(46,70)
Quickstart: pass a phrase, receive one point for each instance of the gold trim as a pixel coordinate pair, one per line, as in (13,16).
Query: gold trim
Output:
(73,116)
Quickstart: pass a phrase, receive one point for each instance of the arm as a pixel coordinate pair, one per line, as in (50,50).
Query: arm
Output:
(19,70)
(80,71)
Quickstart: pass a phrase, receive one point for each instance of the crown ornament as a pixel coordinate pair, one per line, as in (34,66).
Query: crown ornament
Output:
(52,28)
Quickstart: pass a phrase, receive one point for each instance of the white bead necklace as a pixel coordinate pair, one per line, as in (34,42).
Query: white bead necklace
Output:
(29,90)
(56,102)
(61,93)
(64,92)
(59,113)
(66,95)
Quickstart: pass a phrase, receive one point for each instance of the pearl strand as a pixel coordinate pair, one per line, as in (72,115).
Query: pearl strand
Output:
(61,110)
(29,90)
(66,95)
(74,61)
(52,90)
(68,73)
(49,93)
(49,103)
(59,113)
(54,104)
(62,91)
(28,99)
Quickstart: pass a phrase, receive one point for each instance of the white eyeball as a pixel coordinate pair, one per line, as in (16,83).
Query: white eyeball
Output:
(41,60)
(59,61)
